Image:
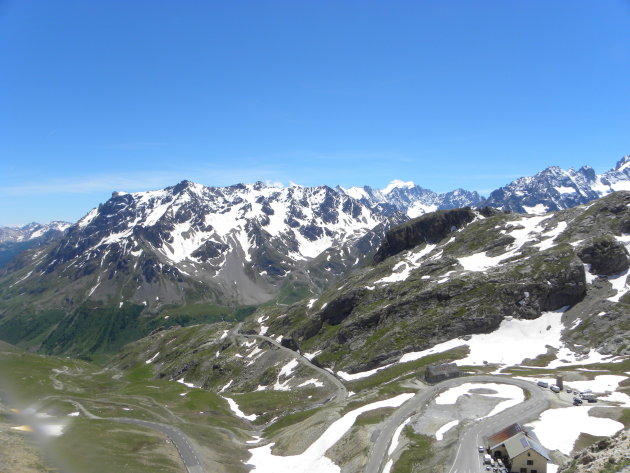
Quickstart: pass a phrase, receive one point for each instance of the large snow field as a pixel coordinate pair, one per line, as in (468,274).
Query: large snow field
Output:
(511,394)
(601,383)
(313,459)
(514,341)
(558,429)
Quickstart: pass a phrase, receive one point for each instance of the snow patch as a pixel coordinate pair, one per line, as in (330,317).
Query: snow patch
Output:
(439,434)
(234,407)
(396,437)
(558,429)
(150,360)
(313,459)
(513,395)
(314,381)
(190,385)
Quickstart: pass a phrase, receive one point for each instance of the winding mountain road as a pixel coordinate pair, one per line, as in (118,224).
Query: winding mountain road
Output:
(186,451)
(467,458)
(341,391)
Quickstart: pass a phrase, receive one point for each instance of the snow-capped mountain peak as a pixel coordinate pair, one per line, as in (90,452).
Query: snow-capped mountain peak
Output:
(241,243)
(397,184)
(623,164)
(32,231)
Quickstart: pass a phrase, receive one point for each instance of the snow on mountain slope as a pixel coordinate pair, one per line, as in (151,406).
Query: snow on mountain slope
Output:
(15,240)
(244,241)
(410,199)
(31,231)
(556,189)
(551,189)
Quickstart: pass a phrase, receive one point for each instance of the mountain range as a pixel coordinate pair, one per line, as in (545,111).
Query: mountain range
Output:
(551,189)
(301,318)
(222,251)
(14,240)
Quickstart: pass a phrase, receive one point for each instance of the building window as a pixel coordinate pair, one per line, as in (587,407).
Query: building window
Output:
(523,470)
(534,471)
(530,462)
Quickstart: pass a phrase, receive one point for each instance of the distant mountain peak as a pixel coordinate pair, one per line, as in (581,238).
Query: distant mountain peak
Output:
(623,164)
(397,184)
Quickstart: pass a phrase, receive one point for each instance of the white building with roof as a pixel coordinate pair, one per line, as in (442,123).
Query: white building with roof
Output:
(519,449)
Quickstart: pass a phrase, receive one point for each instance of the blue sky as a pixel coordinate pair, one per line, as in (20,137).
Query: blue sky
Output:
(137,95)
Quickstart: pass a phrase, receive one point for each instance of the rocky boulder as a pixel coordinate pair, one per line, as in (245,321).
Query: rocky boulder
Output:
(605,255)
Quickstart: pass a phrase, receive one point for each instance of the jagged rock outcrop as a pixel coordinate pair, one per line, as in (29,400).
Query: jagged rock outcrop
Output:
(437,285)
(605,255)
(610,455)
(429,228)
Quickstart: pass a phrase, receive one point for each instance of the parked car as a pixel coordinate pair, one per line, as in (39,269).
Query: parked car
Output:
(569,391)
(481,449)
(554,388)
(543,384)
(592,399)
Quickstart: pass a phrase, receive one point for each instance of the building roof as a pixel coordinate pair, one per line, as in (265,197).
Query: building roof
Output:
(445,368)
(501,436)
(521,442)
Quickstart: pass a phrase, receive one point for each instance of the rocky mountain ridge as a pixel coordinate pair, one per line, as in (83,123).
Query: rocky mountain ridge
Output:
(607,455)
(468,279)
(31,231)
(14,240)
(551,189)
(244,245)
(557,189)
(189,244)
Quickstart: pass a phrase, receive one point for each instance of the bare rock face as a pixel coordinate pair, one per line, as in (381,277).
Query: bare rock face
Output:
(429,228)
(612,454)
(605,255)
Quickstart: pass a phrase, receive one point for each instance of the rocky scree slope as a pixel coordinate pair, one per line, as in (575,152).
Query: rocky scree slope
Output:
(610,455)
(467,278)
(266,380)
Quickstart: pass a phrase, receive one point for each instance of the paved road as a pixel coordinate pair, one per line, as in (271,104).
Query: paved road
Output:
(186,451)
(467,459)
(341,393)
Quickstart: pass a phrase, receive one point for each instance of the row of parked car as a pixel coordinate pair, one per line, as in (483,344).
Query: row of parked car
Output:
(492,464)
(579,397)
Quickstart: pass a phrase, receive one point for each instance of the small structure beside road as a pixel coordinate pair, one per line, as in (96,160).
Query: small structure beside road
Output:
(519,449)
(436,373)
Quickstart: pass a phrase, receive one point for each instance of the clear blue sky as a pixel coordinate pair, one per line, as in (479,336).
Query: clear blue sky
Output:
(131,95)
